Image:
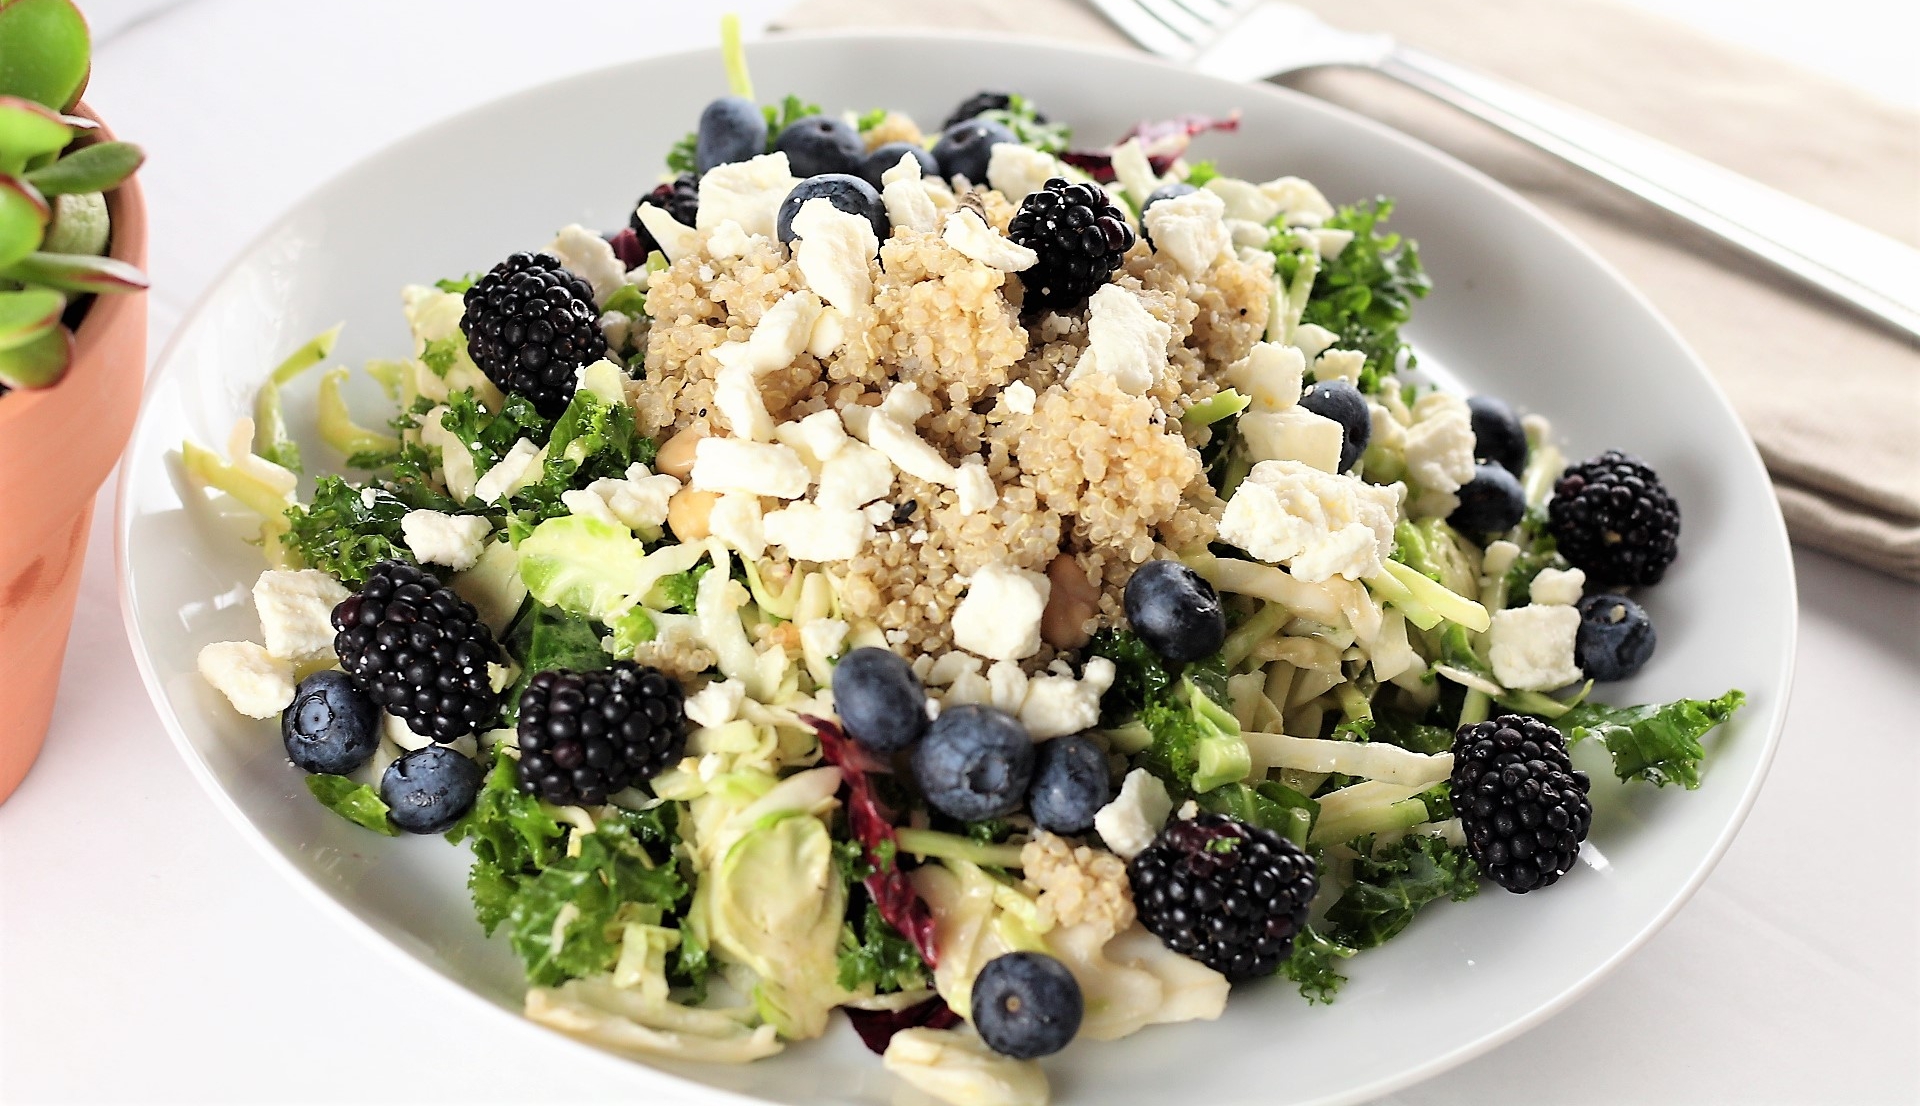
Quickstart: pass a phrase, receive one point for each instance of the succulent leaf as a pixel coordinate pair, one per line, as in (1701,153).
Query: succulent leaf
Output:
(45,51)
(39,363)
(23,219)
(76,273)
(28,131)
(94,168)
(80,224)
(26,313)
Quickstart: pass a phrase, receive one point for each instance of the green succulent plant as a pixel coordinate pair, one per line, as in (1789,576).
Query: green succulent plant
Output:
(54,176)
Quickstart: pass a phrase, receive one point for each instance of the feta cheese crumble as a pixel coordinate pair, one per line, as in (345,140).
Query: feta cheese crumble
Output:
(967,232)
(455,541)
(520,467)
(1270,375)
(296,612)
(257,683)
(1124,341)
(1192,230)
(834,252)
(755,468)
(1134,818)
(999,618)
(745,192)
(1015,171)
(1317,524)
(1531,647)
(588,256)
(810,532)
(1057,705)
(1554,587)
(1293,434)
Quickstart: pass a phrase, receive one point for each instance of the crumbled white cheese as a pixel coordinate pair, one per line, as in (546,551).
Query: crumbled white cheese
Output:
(854,476)
(1135,817)
(718,703)
(1244,201)
(582,503)
(878,513)
(1055,706)
(676,239)
(456,463)
(1006,686)
(1531,647)
(257,683)
(1439,450)
(1318,524)
(1248,235)
(640,500)
(1293,434)
(756,468)
(1552,587)
(737,395)
(520,467)
(296,612)
(907,451)
(834,252)
(1270,375)
(908,201)
(1499,557)
(1297,197)
(1014,170)
(616,327)
(1124,340)
(784,331)
(829,333)
(1339,364)
(1020,397)
(999,618)
(1133,171)
(967,232)
(815,438)
(589,257)
(950,666)
(1330,242)
(745,192)
(905,403)
(1388,434)
(976,489)
(821,640)
(810,532)
(455,541)
(729,241)
(1191,230)
(735,522)
(1312,340)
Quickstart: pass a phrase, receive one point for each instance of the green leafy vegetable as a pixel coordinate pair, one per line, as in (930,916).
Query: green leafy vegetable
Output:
(489,436)
(1200,172)
(1020,117)
(878,955)
(680,157)
(1268,803)
(1196,743)
(1366,293)
(457,285)
(612,880)
(552,638)
(1657,742)
(342,533)
(512,837)
(1315,965)
(791,110)
(681,587)
(870,119)
(356,802)
(1388,889)
(1409,733)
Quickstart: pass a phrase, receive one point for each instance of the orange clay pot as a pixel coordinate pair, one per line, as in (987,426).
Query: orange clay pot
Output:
(57,446)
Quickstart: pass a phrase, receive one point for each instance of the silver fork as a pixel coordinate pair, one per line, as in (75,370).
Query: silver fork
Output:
(1254,40)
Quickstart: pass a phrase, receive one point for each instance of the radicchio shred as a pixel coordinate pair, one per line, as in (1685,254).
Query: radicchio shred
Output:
(889,888)
(1163,141)
(877,1027)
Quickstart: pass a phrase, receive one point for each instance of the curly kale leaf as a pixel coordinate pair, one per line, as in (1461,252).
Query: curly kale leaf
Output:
(1657,742)
(513,838)
(877,954)
(356,802)
(1315,965)
(612,880)
(1366,293)
(1388,889)
(344,534)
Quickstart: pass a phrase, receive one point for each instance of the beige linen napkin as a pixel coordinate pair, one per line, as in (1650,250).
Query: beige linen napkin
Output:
(1832,401)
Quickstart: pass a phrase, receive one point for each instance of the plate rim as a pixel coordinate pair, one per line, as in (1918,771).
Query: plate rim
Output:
(164,364)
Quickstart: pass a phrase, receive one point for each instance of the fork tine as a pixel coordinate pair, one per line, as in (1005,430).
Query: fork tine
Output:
(1213,13)
(1179,20)
(1133,19)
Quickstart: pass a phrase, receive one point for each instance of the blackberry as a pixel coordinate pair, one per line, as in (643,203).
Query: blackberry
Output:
(974,105)
(586,735)
(1613,518)
(530,325)
(678,198)
(1080,237)
(419,651)
(1522,804)
(1225,893)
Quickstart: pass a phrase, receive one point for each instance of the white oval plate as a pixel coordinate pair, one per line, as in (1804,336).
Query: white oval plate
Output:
(1519,309)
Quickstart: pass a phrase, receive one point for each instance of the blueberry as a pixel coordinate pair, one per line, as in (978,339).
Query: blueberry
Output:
(1615,638)
(1026,1005)
(1070,784)
(821,144)
(1343,403)
(1497,434)
(732,128)
(974,762)
(330,727)
(1490,503)
(889,155)
(880,700)
(964,148)
(1175,612)
(1166,192)
(844,191)
(428,790)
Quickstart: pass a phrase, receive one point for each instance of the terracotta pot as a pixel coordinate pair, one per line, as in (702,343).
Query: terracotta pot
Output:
(56,448)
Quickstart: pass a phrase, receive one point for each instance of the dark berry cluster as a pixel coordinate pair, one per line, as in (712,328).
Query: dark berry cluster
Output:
(678,198)
(981,102)
(1524,808)
(585,735)
(530,325)
(419,651)
(1225,893)
(1081,239)
(1613,518)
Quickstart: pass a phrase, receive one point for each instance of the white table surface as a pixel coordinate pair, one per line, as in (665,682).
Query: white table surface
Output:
(147,953)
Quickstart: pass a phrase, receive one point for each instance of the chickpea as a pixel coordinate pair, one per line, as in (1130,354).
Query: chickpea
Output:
(687,513)
(676,457)
(1071,603)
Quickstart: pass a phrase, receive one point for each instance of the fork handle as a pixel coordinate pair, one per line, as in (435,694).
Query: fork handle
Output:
(1871,271)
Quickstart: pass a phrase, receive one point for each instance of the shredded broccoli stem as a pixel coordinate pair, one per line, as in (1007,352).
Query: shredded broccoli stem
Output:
(1426,598)
(270,438)
(337,427)
(950,846)
(734,55)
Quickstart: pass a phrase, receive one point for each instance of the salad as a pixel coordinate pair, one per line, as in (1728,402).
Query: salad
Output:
(1003,590)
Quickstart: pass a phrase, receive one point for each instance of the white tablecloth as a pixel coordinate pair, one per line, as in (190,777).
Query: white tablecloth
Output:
(148,954)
